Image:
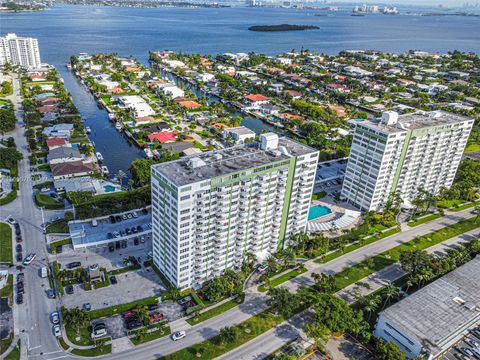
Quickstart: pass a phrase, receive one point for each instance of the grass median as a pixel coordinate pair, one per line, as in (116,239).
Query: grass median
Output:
(230,304)
(282,278)
(157,331)
(424,220)
(358,245)
(6,244)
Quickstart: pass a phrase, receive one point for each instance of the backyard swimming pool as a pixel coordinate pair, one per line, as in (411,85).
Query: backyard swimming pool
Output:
(318,211)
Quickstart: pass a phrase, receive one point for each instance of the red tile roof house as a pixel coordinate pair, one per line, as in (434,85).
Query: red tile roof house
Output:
(163,137)
(36,77)
(293,93)
(189,104)
(54,142)
(339,88)
(257,99)
(71,169)
(48,109)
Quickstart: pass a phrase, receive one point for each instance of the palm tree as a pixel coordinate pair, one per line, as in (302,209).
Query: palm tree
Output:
(371,305)
(476,211)
(271,263)
(288,256)
(143,312)
(391,291)
(121,175)
(76,318)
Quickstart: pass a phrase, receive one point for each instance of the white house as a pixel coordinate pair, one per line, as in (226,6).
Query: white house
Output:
(239,134)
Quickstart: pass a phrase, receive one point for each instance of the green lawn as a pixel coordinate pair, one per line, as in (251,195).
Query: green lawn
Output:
(163,330)
(466,206)
(6,244)
(230,304)
(63,344)
(107,349)
(12,195)
(424,219)
(319,195)
(95,314)
(283,278)
(248,330)
(4,344)
(472,147)
(356,246)
(57,227)
(7,290)
(48,201)
(15,353)
(83,336)
(54,245)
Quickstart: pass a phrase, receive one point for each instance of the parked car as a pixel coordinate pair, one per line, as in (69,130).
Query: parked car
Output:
(59,249)
(118,218)
(134,214)
(124,244)
(476,332)
(73,264)
(111,247)
(87,306)
(117,245)
(98,330)
(50,294)
(20,287)
(134,324)
(69,289)
(178,335)
(472,343)
(11,220)
(113,280)
(19,299)
(20,277)
(129,216)
(56,330)
(135,241)
(124,217)
(134,230)
(112,219)
(19,257)
(109,235)
(19,239)
(116,234)
(18,248)
(461,356)
(139,228)
(142,239)
(55,317)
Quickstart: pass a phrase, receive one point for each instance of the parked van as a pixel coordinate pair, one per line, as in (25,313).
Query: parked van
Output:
(43,272)
(94,222)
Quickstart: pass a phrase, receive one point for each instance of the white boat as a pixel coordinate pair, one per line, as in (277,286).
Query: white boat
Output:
(148,152)
(111,116)
(99,156)
(88,130)
(118,126)
(105,170)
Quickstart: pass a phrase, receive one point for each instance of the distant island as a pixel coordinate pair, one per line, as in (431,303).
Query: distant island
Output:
(11,6)
(282,27)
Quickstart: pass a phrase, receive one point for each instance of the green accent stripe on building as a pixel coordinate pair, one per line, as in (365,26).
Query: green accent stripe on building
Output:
(286,205)
(396,178)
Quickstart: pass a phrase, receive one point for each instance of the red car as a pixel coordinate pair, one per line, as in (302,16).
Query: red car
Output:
(156,317)
(129,314)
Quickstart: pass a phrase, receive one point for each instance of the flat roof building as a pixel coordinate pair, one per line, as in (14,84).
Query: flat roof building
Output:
(20,51)
(402,153)
(437,316)
(210,210)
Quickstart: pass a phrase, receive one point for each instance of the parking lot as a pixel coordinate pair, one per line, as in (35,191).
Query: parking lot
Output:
(330,170)
(110,260)
(126,226)
(466,349)
(131,286)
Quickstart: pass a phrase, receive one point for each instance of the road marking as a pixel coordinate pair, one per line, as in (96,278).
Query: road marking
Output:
(35,347)
(59,357)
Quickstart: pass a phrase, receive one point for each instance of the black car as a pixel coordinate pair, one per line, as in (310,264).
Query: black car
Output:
(112,219)
(18,248)
(111,247)
(134,230)
(113,280)
(128,231)
(118,218)
(139,228)
(117,245)
(69,289)
(153,307)
(19,257)
(134,324)
(19,239)
(109,235)
(124,244)
(59,249)
(19,299)
(20,277)
(17,231)
(145,212)
(20,287)
(74,264)
(135,241)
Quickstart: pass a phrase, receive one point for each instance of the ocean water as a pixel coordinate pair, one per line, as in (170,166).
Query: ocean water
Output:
(65,30)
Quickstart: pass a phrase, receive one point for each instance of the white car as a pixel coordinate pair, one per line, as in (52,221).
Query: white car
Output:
(178,335)
(55,317)
(56,330)
(134,214)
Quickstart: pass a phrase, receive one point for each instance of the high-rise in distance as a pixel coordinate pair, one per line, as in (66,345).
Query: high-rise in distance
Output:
(19,51)
(210,210)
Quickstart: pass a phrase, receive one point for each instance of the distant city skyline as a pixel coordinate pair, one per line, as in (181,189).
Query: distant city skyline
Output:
(455,3)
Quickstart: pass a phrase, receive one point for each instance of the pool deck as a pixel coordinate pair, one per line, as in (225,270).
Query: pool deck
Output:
(338,210)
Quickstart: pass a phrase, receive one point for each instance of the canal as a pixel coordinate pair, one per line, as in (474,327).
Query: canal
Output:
(117,151)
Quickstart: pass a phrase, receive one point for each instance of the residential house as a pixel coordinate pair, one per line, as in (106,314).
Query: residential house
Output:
(63,154)
(54,142)
(71,169)
(239,134)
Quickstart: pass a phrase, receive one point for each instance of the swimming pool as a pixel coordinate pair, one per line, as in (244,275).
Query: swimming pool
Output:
(318,211)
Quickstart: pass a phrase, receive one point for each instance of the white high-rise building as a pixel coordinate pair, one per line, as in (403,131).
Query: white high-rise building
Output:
(21,51)
(400,154)
(209,210)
